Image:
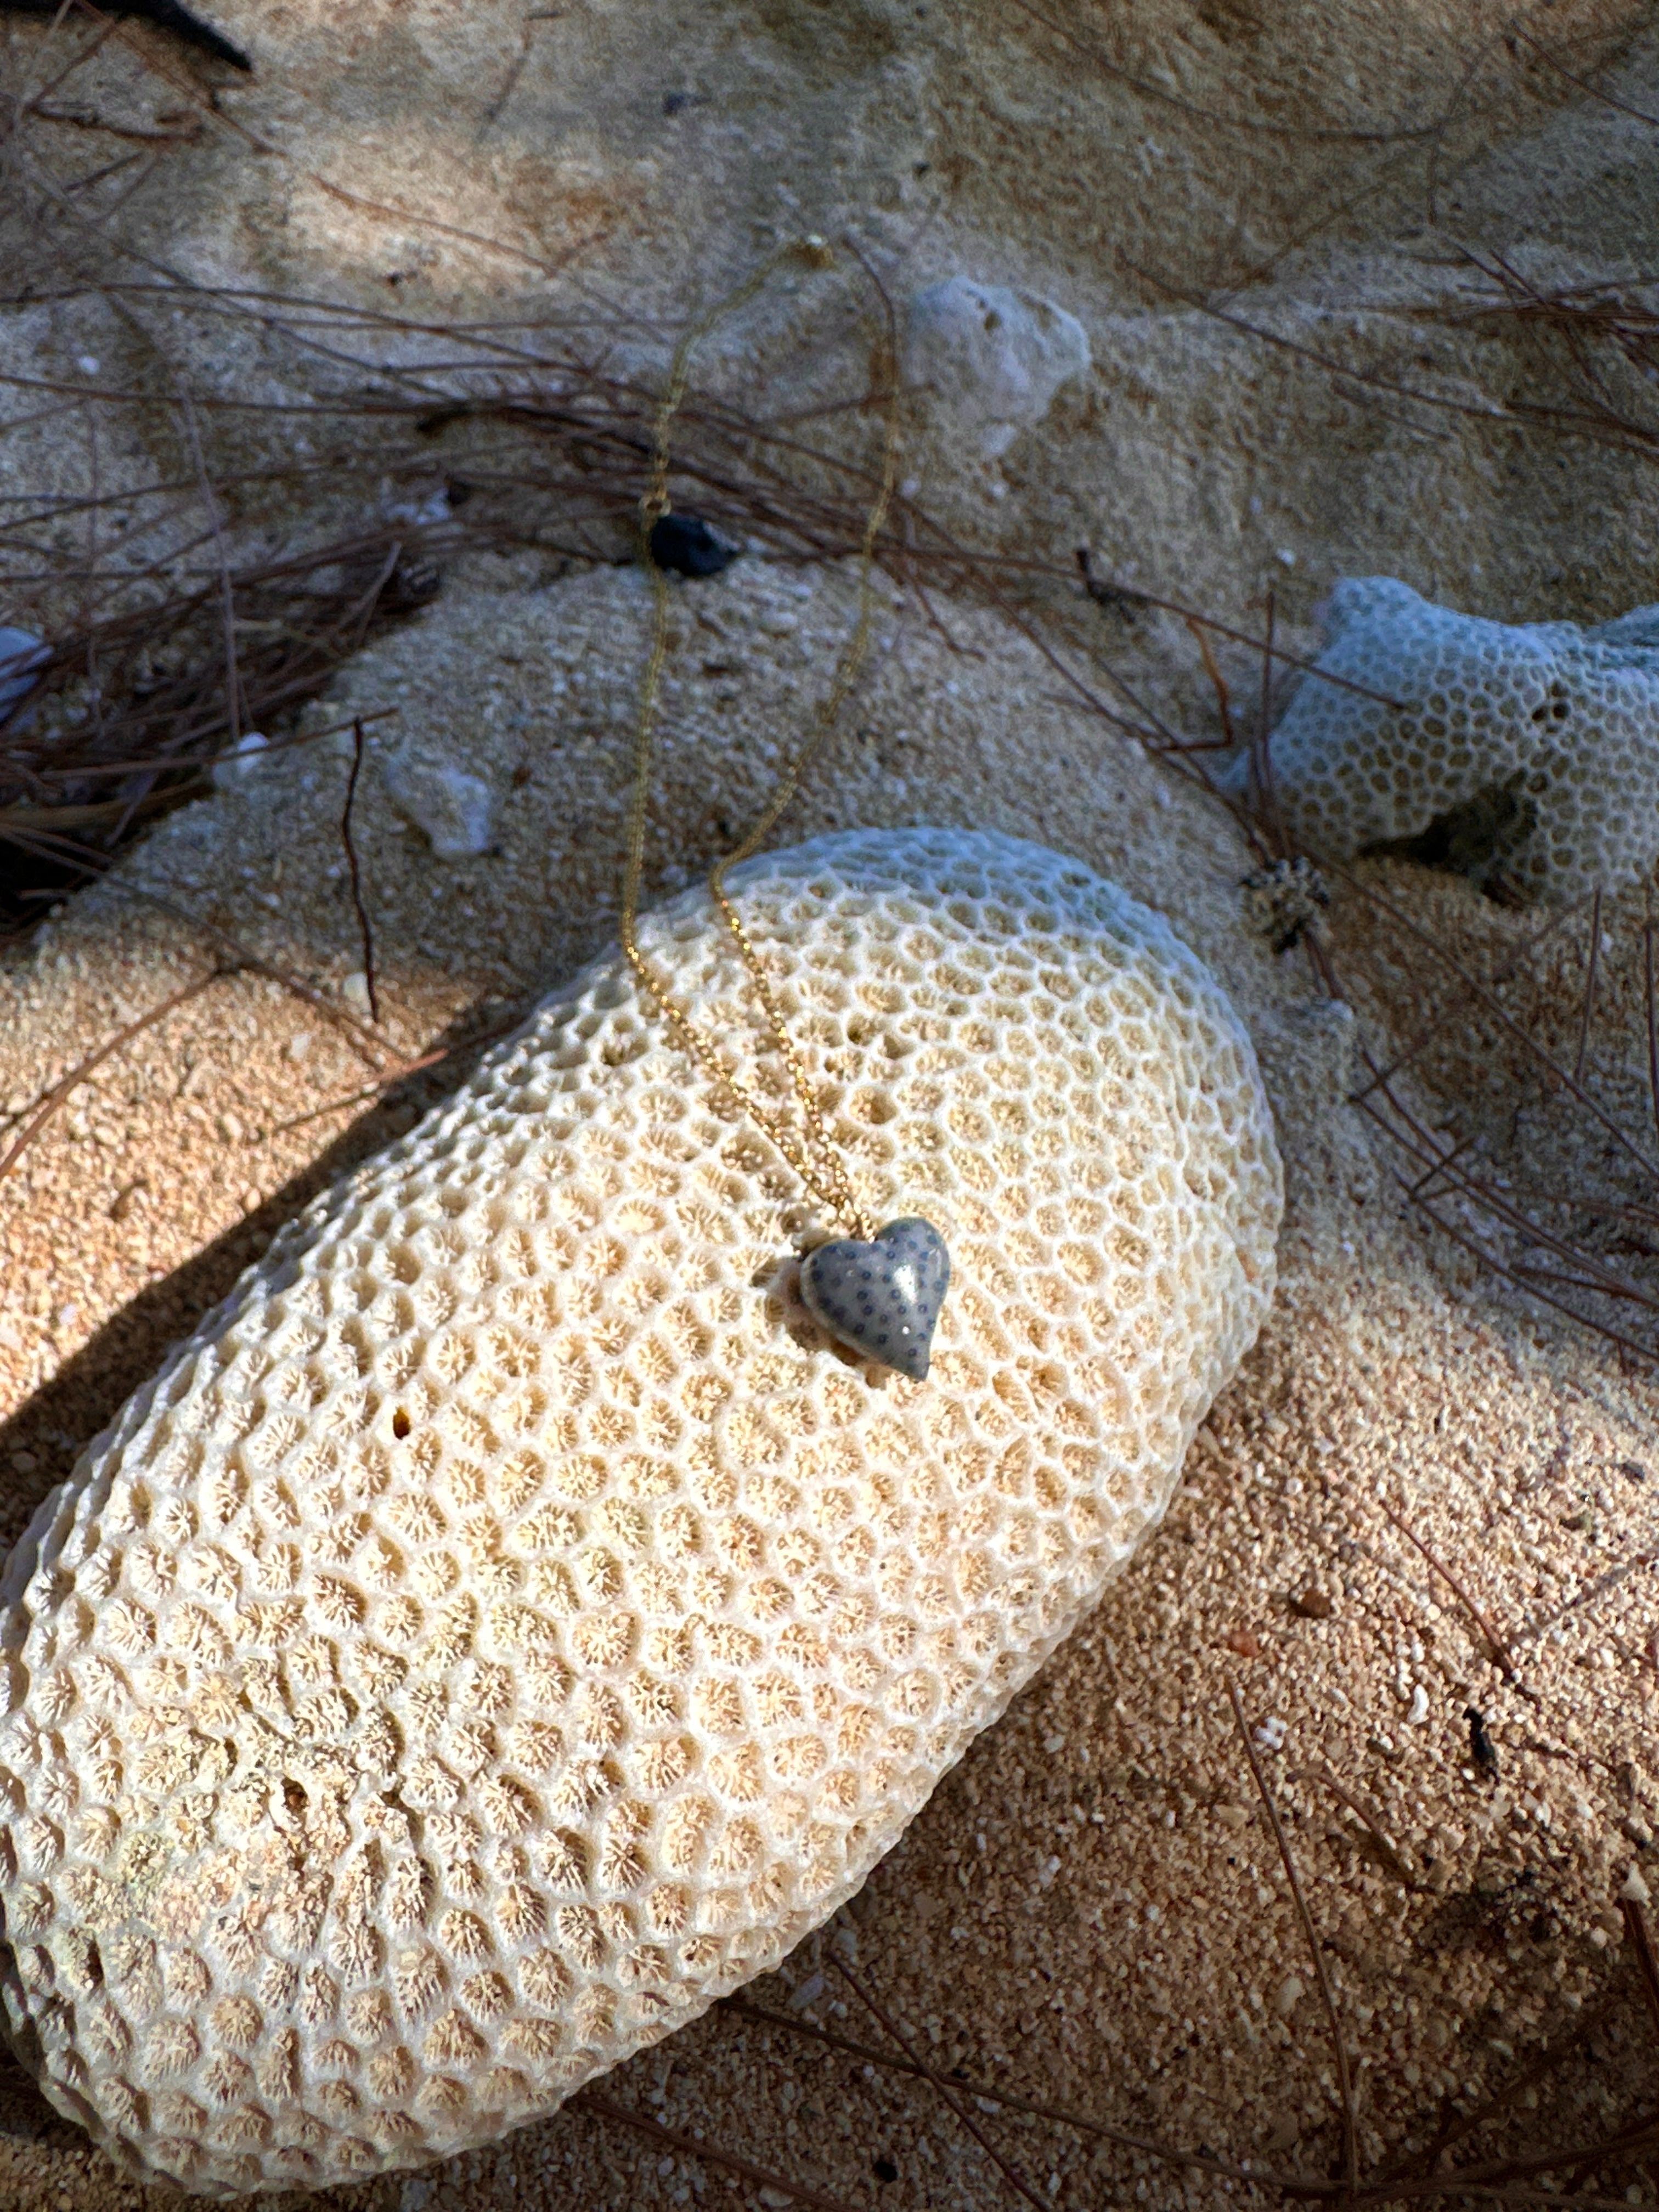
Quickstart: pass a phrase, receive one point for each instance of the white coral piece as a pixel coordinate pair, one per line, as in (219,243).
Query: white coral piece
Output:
(1547,731)
(455,809)
(509,1624)
(233,769)
(994,358)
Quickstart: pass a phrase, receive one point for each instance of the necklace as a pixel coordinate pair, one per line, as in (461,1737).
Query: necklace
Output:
(877,1291)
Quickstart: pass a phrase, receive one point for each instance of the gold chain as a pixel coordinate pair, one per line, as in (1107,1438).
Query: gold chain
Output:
(827,1179)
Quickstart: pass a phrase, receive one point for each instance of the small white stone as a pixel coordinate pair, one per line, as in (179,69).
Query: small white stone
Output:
(993,357)
(237,765)
(425,512)
(299,1044)
(456,812)
(354,987)
(1634,1888)
(1419,1705)
(1289,1994)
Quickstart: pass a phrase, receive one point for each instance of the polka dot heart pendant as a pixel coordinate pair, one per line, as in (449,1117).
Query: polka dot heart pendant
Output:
(883,1297)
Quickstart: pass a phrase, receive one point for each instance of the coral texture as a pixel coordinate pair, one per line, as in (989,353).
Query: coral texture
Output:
(509,1624)
(1531,749)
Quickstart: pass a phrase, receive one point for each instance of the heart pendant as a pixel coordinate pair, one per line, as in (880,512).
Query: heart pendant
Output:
(883,1297)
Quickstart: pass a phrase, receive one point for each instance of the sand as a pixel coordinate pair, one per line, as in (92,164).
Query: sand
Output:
(1090,1913)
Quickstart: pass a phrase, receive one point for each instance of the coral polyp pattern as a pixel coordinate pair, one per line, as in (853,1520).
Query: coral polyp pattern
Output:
(1533,746)
(509,1623)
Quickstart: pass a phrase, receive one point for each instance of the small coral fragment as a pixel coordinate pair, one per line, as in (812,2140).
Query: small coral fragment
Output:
(992,358)
(1524,757)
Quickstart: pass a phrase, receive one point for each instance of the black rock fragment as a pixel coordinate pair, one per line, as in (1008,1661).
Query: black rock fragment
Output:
(166,14)
(686,546)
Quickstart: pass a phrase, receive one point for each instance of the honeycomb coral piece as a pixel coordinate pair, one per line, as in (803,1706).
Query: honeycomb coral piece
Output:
(510,1624)
(1529,751)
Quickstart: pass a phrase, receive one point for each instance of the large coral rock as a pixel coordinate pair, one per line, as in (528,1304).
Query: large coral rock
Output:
(509,1624)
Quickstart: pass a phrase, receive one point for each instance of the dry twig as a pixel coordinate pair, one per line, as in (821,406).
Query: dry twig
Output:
(362,911)
(1635,1927)
(1378,1834)
(1338,2044)
(1495,1644)
(607,2108)
(1223,2169)
(1009,2174)
(59,1094)
(1589,988)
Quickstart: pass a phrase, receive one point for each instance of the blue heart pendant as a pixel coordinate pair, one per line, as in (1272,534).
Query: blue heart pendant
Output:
(882,1298)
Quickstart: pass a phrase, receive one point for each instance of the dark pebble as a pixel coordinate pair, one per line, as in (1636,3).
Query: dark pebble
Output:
(686,546)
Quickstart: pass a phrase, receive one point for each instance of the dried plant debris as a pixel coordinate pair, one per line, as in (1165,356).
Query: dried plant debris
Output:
(130,715)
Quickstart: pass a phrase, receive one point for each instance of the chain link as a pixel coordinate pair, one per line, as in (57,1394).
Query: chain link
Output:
(812,1156)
